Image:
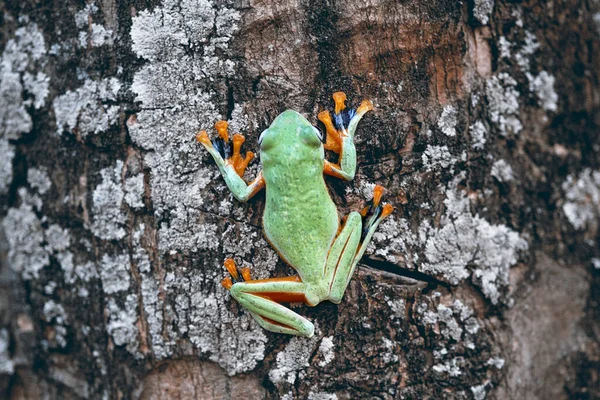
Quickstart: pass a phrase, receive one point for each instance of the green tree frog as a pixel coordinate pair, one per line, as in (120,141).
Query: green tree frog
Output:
(300,219)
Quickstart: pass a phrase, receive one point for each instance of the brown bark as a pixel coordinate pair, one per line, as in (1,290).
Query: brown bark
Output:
(483,284)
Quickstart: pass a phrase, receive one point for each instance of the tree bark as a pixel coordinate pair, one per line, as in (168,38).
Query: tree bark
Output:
(484,282)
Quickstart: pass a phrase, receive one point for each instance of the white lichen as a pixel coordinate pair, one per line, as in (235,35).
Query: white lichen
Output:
(293,359)
(451,367)
(582,205)
(448,120)
(107,200)
(134,191)
(437,157)
(7,152)
(114,272)
(482,10)
(523,55)
(502,171)
(55,314)
(27,255)
(496,362)
(543,87)
(122,323)
(503,100)
(90,108)
(465,242)
(23,53)
(478,135)
(38,179)
(478,392)
(7,366)
(322,396)
(326,348)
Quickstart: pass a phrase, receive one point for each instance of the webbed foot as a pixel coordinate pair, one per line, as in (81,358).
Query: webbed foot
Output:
(229,150)
(343,123)
(374,212)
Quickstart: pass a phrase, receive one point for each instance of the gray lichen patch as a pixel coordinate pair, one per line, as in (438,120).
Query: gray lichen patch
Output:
(108,216)
(448,120)
(582,205)
(122,322)
(134,191)
(23,229)
(7,152)
(503,101)
(38,179)
(437,157)
(7,366)
(486,249)
(543,87)
(478,135)
(185,45)
(114,272)
(89,108)
(502,171)
(21,65)
(482,10)
(292,360)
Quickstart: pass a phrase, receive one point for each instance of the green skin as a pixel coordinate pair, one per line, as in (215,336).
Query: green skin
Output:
(300,221)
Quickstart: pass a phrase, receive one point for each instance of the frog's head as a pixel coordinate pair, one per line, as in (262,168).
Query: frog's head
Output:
(291,133)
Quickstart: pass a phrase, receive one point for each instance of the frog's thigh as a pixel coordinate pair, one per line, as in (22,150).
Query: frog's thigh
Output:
(261,298)
(339,268)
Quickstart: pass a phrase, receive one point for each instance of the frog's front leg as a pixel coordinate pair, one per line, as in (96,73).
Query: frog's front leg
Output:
(340,135)
(230,162)
(263,297)
(351,243)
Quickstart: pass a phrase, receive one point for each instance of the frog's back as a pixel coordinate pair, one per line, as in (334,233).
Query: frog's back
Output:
(300,219)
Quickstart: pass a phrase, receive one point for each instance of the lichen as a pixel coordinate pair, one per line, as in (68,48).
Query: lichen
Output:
(502,171)
(293,359)
(107,199)
(7,152)
(89,108)
(326,348)
(478,135)
(25,236)
(7,366)
(55,314)
(38,179)
(543,87)
(122,323)
(478,392)
(482,10)
(23,54)
(114,272)
(503,100)
(448,120)
(582,205)
(322,396)
(134,191)
(490,250)
(437,157)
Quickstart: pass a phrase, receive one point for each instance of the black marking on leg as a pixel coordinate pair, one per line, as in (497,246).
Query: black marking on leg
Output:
(342,120)
(321,127)
(223,147)
(372,214)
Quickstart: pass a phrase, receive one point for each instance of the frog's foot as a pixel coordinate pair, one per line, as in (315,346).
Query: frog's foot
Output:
(344,121)
(374,212)
(351,243)
(235,274)
(262,297)
(228,150)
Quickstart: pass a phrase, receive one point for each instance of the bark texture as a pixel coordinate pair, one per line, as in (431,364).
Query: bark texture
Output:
(484,283)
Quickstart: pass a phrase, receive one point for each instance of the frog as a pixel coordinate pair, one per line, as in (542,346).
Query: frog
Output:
(300,219)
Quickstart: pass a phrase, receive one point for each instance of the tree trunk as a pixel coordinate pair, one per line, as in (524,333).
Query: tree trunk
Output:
(484,283)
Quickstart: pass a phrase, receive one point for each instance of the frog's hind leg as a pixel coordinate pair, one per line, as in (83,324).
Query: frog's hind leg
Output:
(351,244)
(263,297)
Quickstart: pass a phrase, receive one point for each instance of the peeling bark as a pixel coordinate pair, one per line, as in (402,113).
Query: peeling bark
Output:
(483,284)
